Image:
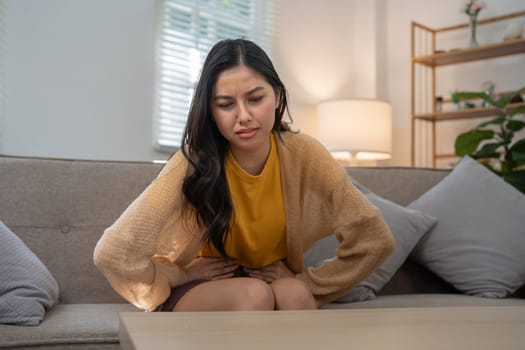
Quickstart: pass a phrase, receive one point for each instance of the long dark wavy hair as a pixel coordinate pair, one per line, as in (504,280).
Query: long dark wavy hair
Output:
(205,186)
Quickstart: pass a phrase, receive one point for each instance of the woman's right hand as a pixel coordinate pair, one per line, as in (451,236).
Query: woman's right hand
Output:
(210,268)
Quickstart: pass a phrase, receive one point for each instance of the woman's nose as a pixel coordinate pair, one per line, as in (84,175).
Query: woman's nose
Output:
(244,114)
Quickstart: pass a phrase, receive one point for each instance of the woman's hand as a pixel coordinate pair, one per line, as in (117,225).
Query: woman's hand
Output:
(271,272)
(210,268)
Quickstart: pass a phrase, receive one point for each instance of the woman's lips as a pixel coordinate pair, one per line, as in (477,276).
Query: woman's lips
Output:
(247,133)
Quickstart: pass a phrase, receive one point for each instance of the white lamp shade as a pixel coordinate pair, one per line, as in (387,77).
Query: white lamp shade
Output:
(361,127)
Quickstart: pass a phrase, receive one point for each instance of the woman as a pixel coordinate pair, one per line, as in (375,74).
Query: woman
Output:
(226,222)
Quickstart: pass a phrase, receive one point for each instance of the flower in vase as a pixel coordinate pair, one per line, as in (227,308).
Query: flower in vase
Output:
(472,7)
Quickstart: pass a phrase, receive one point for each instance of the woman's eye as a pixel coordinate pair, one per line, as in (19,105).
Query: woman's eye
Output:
(256,99)
(225,105)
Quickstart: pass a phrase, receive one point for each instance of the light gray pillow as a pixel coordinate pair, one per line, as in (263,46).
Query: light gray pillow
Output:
(407,226)
(27,288)
(478,244)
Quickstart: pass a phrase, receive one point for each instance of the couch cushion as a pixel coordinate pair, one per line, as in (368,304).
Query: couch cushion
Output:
(407,226)
(27,288)
(478,244)
(401,185)
(68,325)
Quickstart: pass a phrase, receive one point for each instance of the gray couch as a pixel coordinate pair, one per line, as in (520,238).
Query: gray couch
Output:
(60,208)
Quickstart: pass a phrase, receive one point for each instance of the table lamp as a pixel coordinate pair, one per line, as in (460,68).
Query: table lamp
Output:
(358,129)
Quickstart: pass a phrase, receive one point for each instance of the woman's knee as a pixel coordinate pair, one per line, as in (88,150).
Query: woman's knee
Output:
(255,295)
(232,294)
(292,294)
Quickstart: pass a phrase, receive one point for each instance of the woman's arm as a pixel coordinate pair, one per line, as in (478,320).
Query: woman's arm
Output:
(365,239)
(126,252)
(321,200)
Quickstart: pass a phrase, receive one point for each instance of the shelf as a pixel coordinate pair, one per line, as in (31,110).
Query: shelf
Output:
(425,62)
(505,48)
(468,113)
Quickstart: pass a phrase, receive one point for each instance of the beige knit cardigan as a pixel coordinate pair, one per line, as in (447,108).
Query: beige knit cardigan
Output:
(142,253)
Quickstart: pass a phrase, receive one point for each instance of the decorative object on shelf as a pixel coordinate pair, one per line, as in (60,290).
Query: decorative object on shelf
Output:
(358,129)
(457,102)
(472,9)
(517,99)
(488,87)
(513,31)
(493,142)
(439,103)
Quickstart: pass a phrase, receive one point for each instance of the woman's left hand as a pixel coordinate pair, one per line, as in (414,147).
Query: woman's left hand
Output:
(271,272)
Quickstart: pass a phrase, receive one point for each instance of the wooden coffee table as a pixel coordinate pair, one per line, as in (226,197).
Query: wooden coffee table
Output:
(462,328)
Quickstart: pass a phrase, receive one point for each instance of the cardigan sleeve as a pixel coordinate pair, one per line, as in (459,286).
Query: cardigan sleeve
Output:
(125,253)
(365,241)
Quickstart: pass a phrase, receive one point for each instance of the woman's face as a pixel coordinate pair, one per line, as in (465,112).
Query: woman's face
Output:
(243,106)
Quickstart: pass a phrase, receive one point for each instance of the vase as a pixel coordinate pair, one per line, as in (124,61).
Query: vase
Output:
(473,28)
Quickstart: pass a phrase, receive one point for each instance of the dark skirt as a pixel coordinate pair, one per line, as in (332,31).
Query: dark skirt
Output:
(178,292)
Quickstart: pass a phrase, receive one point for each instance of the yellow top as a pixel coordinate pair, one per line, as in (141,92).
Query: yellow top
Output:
(257,234)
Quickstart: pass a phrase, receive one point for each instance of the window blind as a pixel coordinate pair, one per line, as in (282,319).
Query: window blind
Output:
(188,30)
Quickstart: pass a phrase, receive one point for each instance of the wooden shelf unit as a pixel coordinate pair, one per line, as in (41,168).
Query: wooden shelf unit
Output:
(424,54)
(466,113)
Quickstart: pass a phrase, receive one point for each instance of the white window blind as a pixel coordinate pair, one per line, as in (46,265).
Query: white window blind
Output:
(188,30)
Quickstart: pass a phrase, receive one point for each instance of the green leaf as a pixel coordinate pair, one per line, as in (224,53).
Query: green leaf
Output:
(495,121)
(518,157)
(455,98)
(504,101)
(515,125)
(489,150)
(516,179)
(470,95)
(517,110)
(517,152)
(520,163)
(518,146)
(467,142)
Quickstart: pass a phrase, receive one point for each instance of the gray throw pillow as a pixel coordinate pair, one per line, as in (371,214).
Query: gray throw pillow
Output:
(478,244)
(27,288)
(407,226)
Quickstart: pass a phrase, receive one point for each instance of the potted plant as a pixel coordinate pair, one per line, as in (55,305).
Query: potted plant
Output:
(494,143)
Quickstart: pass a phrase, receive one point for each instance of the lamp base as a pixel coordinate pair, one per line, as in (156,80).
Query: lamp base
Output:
(352,162)
(346,159)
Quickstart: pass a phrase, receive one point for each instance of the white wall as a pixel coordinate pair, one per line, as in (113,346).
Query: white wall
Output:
(78,79)
(82,87)
(327,50)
